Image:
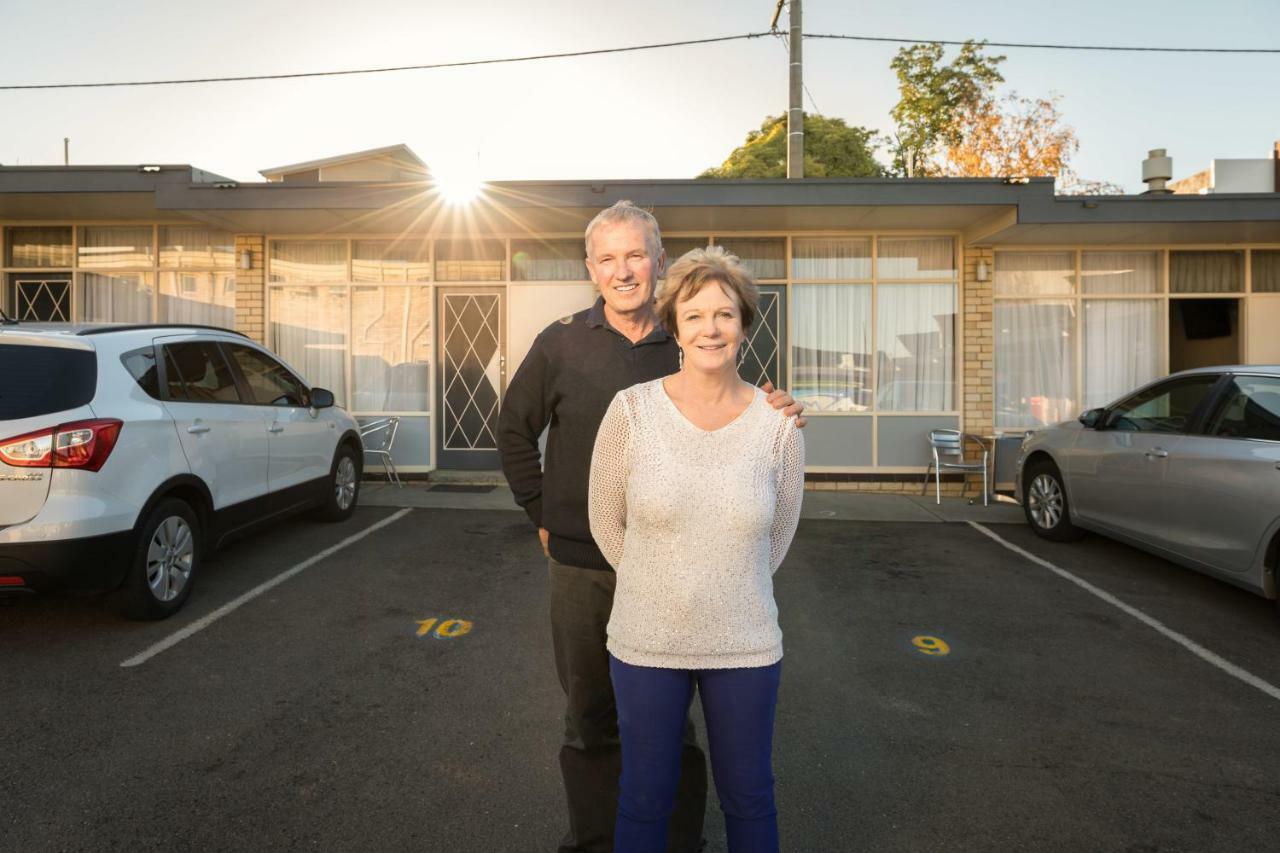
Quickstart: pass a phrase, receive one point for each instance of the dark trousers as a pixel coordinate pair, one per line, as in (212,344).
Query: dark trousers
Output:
(739,706)
(591,754)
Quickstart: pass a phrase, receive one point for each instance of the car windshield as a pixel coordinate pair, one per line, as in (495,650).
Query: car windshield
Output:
(36,380)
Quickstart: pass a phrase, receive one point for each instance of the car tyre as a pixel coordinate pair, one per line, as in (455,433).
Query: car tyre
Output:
(343,492)
(165,561)
(1045,503)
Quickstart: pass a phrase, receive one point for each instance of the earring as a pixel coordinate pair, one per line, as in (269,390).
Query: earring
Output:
(680,350)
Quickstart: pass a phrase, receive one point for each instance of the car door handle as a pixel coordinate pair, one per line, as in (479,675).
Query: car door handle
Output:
(275,428)
(197,429)
(1157,453)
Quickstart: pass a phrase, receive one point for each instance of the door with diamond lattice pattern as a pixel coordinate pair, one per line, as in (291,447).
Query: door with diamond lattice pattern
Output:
(764,350)
(472,321)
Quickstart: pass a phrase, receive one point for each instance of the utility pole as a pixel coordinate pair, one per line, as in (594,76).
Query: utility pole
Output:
(66,151)
(795,111)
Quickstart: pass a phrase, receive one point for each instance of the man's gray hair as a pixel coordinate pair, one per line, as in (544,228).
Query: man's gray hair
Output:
(626,211)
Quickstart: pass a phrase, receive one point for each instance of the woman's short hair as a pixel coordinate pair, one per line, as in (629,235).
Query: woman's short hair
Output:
(697,268)
(626,211)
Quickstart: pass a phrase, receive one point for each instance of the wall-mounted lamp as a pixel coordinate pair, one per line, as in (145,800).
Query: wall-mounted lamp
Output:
(246,259)
(982,272)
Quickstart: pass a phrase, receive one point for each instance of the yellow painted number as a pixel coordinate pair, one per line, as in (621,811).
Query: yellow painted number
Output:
(931,646)
(446,630)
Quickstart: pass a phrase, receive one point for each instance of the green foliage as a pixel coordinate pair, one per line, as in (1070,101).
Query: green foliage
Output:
(935,98)
(832,149)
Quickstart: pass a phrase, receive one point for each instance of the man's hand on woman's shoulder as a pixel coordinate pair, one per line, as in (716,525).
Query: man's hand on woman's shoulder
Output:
(782,400)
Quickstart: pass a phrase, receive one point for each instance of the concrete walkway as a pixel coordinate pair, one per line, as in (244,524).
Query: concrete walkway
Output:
(843,506)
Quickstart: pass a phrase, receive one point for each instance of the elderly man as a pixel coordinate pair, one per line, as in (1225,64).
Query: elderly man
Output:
(567,381)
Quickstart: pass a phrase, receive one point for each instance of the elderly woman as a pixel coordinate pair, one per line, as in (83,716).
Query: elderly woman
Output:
(695,493)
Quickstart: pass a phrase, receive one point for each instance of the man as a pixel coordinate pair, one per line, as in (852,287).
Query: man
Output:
(567,380)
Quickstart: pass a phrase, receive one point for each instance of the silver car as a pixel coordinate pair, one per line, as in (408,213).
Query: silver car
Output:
(1187,467)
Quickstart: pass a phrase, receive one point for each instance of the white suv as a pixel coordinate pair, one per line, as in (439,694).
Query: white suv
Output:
(129,452)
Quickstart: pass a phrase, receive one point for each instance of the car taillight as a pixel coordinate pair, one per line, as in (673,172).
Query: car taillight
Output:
(81,444)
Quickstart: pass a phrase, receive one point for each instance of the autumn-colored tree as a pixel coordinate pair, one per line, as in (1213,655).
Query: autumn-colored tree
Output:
(832,149)
(1012,136)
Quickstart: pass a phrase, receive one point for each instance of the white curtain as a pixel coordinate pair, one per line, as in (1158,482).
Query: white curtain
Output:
(1206,272)
(470,260)
(831,346)
(1121,347)
(763,258)
(203,298)
(831,258)
(1266,271)
(115,247)
(915,257)
(391,353)
(1035,363)
(1035,273)
(548,260)
(308,261)
(196,247)
(1120,272)
(915,347)
(39,247)
(388,260)
(309,330)
(122,298)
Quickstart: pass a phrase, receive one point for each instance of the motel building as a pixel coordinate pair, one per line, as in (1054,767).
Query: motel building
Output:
(888,307)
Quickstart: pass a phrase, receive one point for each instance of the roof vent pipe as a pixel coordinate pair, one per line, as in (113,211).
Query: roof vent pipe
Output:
(1157,171)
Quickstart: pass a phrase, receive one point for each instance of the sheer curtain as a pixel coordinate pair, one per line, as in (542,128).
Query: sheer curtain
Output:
(1035,363)
(308,260)
(309,330)
(196,247)
(116,247)
(39,247)
(391,354)
(1121,347)
(391,260)
(1120,272)
(204,298)
(1035,273)
(1206,272)
(831,258)
(764,257)
(123,298)
(915,347)
(915,257)
(548,260)
(676,247)
(1266,271)
(471,260)
(831,346)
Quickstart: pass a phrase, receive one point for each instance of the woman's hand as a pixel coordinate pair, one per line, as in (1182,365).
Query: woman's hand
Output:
(545,538)
(782,400)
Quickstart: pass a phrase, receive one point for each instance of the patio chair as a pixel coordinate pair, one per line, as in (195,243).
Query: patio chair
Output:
(388,427)
(949,444)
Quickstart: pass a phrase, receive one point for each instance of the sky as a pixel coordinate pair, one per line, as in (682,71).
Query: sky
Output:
(657,114)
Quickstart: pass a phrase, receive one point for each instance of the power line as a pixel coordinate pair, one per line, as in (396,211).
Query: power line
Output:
(428,67)
(1050,46)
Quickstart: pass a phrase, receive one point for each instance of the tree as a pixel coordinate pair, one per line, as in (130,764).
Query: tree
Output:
(934,98)
(1015,136)
(832,149)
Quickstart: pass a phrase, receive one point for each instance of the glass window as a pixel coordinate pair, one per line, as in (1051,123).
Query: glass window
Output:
(1206,272)
(115,247)
(120,298)
(1035,273)
(269,381)
(38,247)
(174,389)
(1035,375)
(141,364)
(196,247)
(309,330)
(764,258)
(203,372)
(915,347)
(391,260)
(915,257)
(831,258)
(1120,272)
(391,352)
(548,260)
(677,247)
(1252,410)
(1166,407)
(25,387)
(831,347)
(308,260)
(470,260)
(1266,271)
(1121,347)
(202,298)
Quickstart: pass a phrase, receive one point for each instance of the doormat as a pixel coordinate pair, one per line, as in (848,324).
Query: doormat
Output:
(461,487)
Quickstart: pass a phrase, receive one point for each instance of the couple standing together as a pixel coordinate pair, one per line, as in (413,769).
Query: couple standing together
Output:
(668,496)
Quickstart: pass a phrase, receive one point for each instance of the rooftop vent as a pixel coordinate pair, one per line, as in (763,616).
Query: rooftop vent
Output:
(1157,171)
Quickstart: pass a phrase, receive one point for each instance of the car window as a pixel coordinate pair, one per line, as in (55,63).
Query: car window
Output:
(270,381)
(141,364)
(27,385)
(204,373)
(1166,407)
(1251,410)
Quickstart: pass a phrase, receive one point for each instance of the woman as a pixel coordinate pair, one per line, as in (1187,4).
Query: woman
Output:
(695,494)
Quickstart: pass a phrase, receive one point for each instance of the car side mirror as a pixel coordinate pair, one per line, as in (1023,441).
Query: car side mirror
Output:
(321,398)
(1093,419)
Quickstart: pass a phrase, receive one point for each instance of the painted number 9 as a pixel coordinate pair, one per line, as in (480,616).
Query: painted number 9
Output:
(931,646)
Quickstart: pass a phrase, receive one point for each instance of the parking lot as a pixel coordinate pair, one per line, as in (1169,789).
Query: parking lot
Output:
(941,691)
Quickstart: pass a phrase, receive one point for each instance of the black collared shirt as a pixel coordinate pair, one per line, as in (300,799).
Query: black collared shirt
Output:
(567,381)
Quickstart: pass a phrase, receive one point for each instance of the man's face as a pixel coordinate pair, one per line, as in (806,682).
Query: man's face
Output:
(622,267)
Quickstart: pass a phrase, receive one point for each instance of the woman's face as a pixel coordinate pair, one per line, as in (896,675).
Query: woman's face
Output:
(709,329)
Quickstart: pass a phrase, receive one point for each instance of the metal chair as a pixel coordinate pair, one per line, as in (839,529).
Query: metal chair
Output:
(389,427)
(949,444)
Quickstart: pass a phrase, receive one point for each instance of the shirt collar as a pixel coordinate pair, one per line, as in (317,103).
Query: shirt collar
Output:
(596,319)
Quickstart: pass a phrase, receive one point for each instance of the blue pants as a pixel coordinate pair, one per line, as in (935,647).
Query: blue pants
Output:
(739,706)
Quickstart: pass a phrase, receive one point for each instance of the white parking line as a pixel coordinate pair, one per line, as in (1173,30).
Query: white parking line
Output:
(1184,641)
(205,621)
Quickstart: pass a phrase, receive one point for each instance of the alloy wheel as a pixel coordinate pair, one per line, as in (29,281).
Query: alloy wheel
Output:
(344,483)
(1045,501)
(170,557)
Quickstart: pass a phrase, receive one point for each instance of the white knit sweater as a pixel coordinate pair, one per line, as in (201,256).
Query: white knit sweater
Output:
(695,523)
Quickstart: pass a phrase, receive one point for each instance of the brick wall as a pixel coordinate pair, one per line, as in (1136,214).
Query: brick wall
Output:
(250,288)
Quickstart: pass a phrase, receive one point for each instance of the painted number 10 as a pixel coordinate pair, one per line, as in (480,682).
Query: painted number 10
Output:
(446,630)
(931,646)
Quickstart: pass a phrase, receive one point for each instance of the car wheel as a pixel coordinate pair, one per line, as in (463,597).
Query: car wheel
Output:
(1045,505)
(165,561)
(344,486)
